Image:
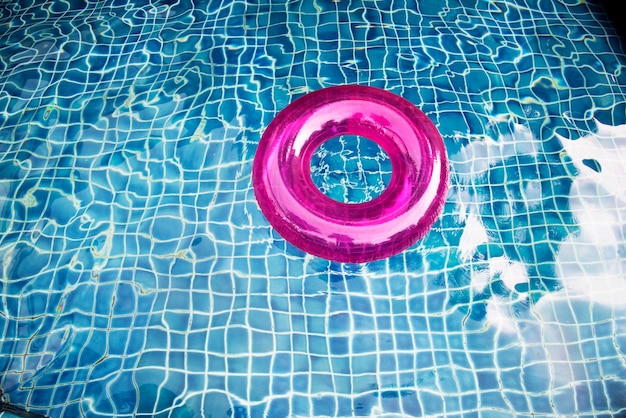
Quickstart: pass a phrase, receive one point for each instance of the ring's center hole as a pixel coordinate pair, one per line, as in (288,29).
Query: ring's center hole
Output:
(351,169)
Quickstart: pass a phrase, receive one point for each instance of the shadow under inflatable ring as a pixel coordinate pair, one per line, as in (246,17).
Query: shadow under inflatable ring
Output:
(349,232)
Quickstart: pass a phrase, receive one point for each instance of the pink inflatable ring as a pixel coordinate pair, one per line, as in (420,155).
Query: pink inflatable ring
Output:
(349,232)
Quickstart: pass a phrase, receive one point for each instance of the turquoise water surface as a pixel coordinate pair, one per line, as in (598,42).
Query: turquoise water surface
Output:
(139,277)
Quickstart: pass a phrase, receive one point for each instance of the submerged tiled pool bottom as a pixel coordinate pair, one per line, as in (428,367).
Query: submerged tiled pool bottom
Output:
(139,277)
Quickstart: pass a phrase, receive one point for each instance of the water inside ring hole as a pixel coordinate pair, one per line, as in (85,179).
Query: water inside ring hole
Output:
(351,169)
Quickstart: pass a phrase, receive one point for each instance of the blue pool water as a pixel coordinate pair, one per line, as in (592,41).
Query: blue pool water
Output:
(139,277)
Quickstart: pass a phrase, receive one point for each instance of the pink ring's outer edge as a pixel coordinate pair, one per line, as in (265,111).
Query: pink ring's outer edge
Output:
(346,232)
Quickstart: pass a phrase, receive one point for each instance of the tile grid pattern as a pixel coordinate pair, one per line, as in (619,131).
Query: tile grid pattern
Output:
(140,278)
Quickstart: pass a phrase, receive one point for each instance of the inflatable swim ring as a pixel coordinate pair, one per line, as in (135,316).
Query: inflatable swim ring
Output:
(349,232)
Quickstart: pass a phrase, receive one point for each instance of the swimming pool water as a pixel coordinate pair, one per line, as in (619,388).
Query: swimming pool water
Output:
(139,277)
